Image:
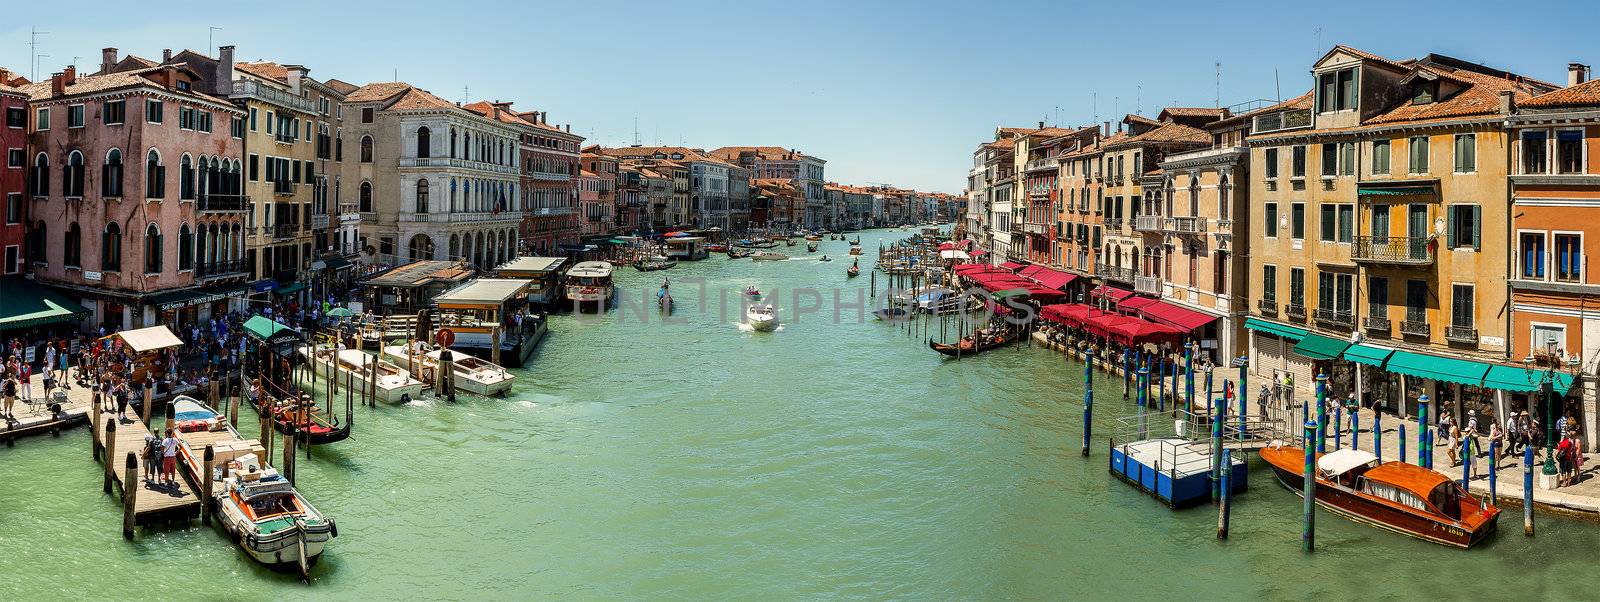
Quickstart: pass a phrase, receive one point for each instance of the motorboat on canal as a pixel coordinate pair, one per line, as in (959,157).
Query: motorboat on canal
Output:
(263,513)
(1400,497)
(589,285)
(768,256)
(473,375)
(762,317)
(654,263)
(394,384)
(811,247)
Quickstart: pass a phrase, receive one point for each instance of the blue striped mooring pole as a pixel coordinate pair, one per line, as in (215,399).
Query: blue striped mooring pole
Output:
(1088,404)
(1527,490)
(1308,534)
(1322,413)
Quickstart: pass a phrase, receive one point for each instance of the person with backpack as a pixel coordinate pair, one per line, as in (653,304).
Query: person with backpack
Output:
(8,394)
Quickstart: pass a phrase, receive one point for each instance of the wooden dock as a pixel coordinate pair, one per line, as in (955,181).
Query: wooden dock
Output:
(38,419)
(143,502)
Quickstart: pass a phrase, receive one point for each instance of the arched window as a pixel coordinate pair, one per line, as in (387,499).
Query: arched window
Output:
(152,250)
(185,248)
(41,175)
(338,145)
(452,143)
(466,145)
(1224,211)
(366,149)
(111,248)
(1194,195)
(455,247)
(186,178)
(424,142)
(72,247)
(155,177)
(422,196)
(111,175)
(366,197)
(72,175)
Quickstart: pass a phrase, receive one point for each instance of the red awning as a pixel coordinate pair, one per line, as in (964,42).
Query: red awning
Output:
(978,253)
(1136,302)
(947,246)
(1010,266)
(1134,331)
(1116,295)
(1183,318)
(970,268)
(1051,278)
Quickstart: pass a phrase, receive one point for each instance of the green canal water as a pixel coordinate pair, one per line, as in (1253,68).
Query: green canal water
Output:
(696,460)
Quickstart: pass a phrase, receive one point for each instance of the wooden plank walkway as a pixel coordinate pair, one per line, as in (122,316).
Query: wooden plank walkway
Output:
(37,418)
(152,502)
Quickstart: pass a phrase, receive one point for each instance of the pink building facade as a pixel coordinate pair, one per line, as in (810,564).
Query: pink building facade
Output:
(134,180)
(13,176)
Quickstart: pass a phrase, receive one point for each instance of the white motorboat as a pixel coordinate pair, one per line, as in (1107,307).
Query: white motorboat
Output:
(394,384)
(473,375)
(762,317)
(261,510)
(589,284)
(768,256)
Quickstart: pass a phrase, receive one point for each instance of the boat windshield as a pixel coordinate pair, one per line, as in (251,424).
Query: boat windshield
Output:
(1447,498)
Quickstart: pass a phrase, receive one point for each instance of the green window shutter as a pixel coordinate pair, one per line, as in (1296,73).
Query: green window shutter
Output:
(1450,227)
(1477,228)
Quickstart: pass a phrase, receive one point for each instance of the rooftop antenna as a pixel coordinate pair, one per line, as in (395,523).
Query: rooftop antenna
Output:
(466,93)
(37,60)
(33,50)
(1318,49)
(1277,85)
(1094,101)
(1116,101)
(636,130)
(1218,65)
(211,44)
(1138,99)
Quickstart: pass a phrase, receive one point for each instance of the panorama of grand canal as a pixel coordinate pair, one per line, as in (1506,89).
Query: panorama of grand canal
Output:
(697,460)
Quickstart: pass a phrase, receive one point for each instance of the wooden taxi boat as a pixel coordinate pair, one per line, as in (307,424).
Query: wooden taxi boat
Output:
(1400,497)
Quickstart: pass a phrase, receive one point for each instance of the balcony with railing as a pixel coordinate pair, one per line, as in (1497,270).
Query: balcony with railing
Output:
(1187,225)
(458,163)
(1415,324)
(1377,318)
(283,187)
(1268,307)
(1295,311)
(1333,316)
(1393,250)
(223,203)
(478,216)
(253,89)
(284,231)
(1149,285)
(1039,164)
(1114,223)
(319,221)
(1463,334)
(221,269)
(1033,228)
(1147,223)
(1111,272)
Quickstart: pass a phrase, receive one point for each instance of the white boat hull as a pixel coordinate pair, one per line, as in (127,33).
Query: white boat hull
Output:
(394,383)
(491,380)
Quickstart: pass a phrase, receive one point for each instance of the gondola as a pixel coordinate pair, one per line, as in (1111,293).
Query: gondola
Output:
(811,247)
(322,429)
(965,346)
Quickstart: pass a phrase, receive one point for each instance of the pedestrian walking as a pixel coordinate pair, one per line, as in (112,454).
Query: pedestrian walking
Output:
(25,379)
(8,394)
(1453,446)
(152,457)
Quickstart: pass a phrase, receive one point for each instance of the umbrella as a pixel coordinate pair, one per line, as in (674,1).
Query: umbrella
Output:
(340,312)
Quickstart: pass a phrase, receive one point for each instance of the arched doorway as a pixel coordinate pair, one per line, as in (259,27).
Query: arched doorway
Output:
(421,247)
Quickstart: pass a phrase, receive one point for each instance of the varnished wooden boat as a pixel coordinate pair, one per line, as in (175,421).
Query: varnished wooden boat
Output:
(966,347)
(320,427)
(1400,497)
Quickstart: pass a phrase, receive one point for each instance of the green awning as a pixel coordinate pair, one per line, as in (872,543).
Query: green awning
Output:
(264,329)
(1519,379)
(1367,354)
(1447,369)
(1009,293)
(292,289)
(26,303)
(1318,347)
(1282,330)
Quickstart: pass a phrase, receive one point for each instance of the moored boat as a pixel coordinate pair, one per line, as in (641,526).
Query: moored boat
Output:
(1400,497)
(473,375)
(811,247)
(969,345)
(394,384)
(768,256)
(654,263)
(263,513)
(589,285)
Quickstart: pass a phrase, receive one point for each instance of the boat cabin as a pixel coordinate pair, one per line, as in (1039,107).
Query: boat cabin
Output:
(545,272)
(691,248)
(410,287)
(589,282)
(1405,484)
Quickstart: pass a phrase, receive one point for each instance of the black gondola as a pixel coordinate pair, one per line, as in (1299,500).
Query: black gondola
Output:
(958,349)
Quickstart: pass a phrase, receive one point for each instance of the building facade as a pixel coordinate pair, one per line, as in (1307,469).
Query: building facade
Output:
(13,175)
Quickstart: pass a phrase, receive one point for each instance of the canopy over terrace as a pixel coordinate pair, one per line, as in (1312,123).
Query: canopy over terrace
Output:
(1047,277)
(149,339)
(1127,330)
(26,303)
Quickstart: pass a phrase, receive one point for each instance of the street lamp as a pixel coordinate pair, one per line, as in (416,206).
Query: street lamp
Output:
(1546,389)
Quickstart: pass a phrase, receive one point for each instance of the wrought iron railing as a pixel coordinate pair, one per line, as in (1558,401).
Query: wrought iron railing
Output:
(1333,316)
(1401,250)
(1267,307)
(1460,334)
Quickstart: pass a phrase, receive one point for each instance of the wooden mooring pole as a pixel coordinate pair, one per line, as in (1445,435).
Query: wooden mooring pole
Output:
(130,493)
(111,454)
(205,485)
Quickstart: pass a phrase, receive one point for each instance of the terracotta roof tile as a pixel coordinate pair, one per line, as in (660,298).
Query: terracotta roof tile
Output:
(1584,94)
(1167,133)
(264,69)
(766,153)
(1194,112)
(1481,96)
(88,84)
(377,92)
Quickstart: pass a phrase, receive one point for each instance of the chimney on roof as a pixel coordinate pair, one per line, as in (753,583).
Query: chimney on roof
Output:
(569,128)
(1577,73)
(169,77)
(108,58)
(1105,129)
(1041,125)
(166,55)
(296,74)
(58,85)
(1508,102)
(70,76)
(224,75)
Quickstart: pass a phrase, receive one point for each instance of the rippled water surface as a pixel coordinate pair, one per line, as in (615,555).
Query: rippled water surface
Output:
(697,460)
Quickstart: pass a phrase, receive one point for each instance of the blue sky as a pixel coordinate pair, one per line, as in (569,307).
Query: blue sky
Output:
(892,92)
